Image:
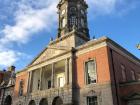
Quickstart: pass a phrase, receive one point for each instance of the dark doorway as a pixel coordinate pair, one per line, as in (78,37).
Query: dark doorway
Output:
(57,101)
(8,100)
(32,102)
(43,102)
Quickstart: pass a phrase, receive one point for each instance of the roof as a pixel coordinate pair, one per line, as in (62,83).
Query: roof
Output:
(91,43)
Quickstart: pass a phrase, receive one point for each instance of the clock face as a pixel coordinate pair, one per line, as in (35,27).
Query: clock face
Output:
(73,10)
(63,12)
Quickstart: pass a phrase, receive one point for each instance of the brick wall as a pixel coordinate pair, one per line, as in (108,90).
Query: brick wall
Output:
(102,65)
(21,76)
(116,61)
(119,60)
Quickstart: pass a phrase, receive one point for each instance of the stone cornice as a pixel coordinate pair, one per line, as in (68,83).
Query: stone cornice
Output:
(91,43)
(111,44)
(116,47)
(74,32)
(50,59)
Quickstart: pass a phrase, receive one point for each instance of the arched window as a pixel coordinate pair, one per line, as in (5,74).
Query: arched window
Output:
(133,75)
(72,10)
(73,21)
(123,73)
(82,22)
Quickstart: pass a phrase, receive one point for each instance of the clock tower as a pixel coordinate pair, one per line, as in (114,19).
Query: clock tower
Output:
(72,16)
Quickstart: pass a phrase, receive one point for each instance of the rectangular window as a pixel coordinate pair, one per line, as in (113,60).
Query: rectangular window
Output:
(91,75)
(21,88)
(133,75)
(92,100)
(61,81)
(123,73)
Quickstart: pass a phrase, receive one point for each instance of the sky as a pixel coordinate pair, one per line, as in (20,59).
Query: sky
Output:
(26,26)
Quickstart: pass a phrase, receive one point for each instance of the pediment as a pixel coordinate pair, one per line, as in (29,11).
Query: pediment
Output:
(49,52)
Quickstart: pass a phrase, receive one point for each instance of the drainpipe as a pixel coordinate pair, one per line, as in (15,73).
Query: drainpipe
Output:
(116,88)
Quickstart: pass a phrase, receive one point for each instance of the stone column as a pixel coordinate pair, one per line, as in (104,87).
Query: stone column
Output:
(40,87)
(67,71)
(29,82)
(71,70)
(52,80)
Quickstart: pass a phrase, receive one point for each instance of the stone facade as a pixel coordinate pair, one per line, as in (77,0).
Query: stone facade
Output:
(59,74)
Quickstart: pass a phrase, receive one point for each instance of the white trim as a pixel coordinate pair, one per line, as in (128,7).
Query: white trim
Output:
(85,71)
(123,53)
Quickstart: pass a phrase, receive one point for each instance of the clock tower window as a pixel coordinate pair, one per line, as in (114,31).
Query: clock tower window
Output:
(73,21)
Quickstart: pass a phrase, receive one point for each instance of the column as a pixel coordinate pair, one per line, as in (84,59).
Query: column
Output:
(52,80)
(40,86)
(70,70)
(67,71)
(29,82)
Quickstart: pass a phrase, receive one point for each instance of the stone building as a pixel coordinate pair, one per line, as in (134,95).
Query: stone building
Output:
(74,70)
(7,84)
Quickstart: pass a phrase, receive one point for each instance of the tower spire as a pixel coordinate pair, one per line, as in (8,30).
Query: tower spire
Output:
(72,13)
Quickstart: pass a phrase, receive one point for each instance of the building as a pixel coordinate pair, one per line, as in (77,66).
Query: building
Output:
(74,70)
(7,84)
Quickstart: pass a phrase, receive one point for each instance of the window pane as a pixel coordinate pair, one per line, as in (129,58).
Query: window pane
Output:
(61,81)
(91,72)
(73,21)
(123,73)
(92,100)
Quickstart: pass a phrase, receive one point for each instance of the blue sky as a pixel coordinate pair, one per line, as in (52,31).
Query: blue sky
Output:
(27,25)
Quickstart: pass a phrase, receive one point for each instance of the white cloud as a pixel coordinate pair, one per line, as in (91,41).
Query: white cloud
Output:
(111,7)
(28,21)
(8,58)
(102,6)
(30,17)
